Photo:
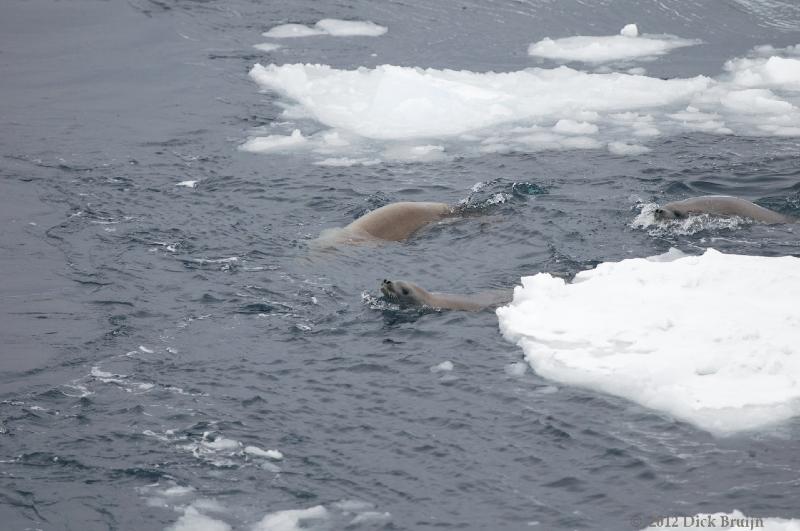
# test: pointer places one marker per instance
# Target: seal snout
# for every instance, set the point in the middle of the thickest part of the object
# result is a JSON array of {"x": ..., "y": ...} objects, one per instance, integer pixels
[{"x": 387, "y": 288}]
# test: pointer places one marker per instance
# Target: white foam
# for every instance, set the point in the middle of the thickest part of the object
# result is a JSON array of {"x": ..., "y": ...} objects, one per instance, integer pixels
[
  {"x": 328, "y": 26},
  {"x": 628, "y": 45},
  {"x": 725, "y": 522},
  {"x": 646, "y": 219},
  {"x": 264, "y": 144},
  {"x": 293, "y": 519},
  {"x": 710, "y": 339}
]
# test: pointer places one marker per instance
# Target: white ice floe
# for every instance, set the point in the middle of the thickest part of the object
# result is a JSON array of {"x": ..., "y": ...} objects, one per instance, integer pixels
[
  {"x": 621, "y": 148},
  {"x": 350, "y": 28},
  {"x": 445, "y": 366},
  {"x": 725, "y": 522},
  {"x": 193, "y": 520},
  {"x": 328, "y": 26},
  {"x": 628, "y": 45},
  {"x": 267, "y": 47},
  {"x": 286, "y": 31},
  {"x": 258, "y": 452},
  {"x": 265, "y": 144},
  {"x": 711, "y": 339},
  {"x": 413, "y": 114},
  {"x": 293, "y": 519}
]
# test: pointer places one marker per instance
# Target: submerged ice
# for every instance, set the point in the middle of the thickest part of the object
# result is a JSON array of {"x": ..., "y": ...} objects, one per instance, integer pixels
[
  {"x": 379, "y": 112},
  {"x": 711, "y": 339}
]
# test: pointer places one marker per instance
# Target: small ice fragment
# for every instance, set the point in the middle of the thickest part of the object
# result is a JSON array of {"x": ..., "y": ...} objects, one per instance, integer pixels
[
  {"x": 258, "y": 452},
  {"x": 444, "y": 366},
  {"x": 630, "y": 30}
]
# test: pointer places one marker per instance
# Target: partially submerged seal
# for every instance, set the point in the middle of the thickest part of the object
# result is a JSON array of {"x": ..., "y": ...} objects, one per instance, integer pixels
[
  {"x": 409, "y": 294},
  {"x": 392, "y": 222},
  {"x": 721, "y": 205}
]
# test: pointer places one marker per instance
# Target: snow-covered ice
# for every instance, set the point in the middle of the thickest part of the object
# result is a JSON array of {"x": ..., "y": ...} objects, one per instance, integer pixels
[
  {"x": 421, "y": 115},
  {"x": 628, "y": 45},
  {"x": 713, "y": 340}
]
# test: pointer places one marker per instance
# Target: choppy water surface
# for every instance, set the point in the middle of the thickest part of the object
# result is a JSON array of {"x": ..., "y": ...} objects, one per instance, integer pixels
[{"x": 159, "y": 339}]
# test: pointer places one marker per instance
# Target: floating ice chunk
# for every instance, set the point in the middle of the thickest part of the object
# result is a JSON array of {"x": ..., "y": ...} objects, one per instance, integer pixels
[
  {"x": 263, "y": 144},
  {"x": 286, "y": 31},
  {"x": 445, "y": 366},
  {"x": 194, "y": 520},
  {"x": 756, "y": 101},
  {"x": 708, "y": 339},
  {"x": 629, "y": 30},
  {"x": 571, "y": 127},
  {"x": 222, "y": 444},
  {"x": 258, "y": 452},
  {"x": 350, "y": 28},
  {"x": 328, "y": 26},
  {"x": 621, "y": 148},
  {"x": 393, "y": 102},
  {"x": 774, "y": 71},
  {"x": 291, "y": 520},
  {"x": 627, "y": 45},
  {"x": 426, "y": 153},
  {"x": 727, "y": 522},
  {"x": 267, "y": 47}
]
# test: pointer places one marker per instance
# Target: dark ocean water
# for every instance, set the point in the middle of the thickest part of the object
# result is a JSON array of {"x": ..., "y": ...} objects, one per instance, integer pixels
[{"x": 152, "y": 331}]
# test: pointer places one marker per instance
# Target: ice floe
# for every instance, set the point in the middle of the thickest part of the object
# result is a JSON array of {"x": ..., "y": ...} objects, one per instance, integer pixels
[
  {"x": 711, "y": 339},
  {"x": 411, "y": 114},
  {"x": 328, "y": 26},
  {"x": 292, "y": 519},
  {"x": 267, "y": 46},
  {"x": 628, "y": 45}
]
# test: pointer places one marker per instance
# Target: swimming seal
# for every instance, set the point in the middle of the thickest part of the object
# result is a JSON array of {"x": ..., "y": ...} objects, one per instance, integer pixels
[
  {"x": 409, "y": 294},
  {"x": 392, "y": 222},
  {"x": 721, "y": 205}
]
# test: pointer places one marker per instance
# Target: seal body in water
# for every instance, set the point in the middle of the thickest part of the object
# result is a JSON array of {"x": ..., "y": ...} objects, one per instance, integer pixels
[
  {"x": 721, "y": 205},
  {"x": 409, "y": 294},
  {"x": 392, "y": 222}
]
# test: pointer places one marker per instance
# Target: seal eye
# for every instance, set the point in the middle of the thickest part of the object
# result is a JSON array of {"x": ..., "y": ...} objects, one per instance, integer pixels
[{"x": 405, "y": 291}]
